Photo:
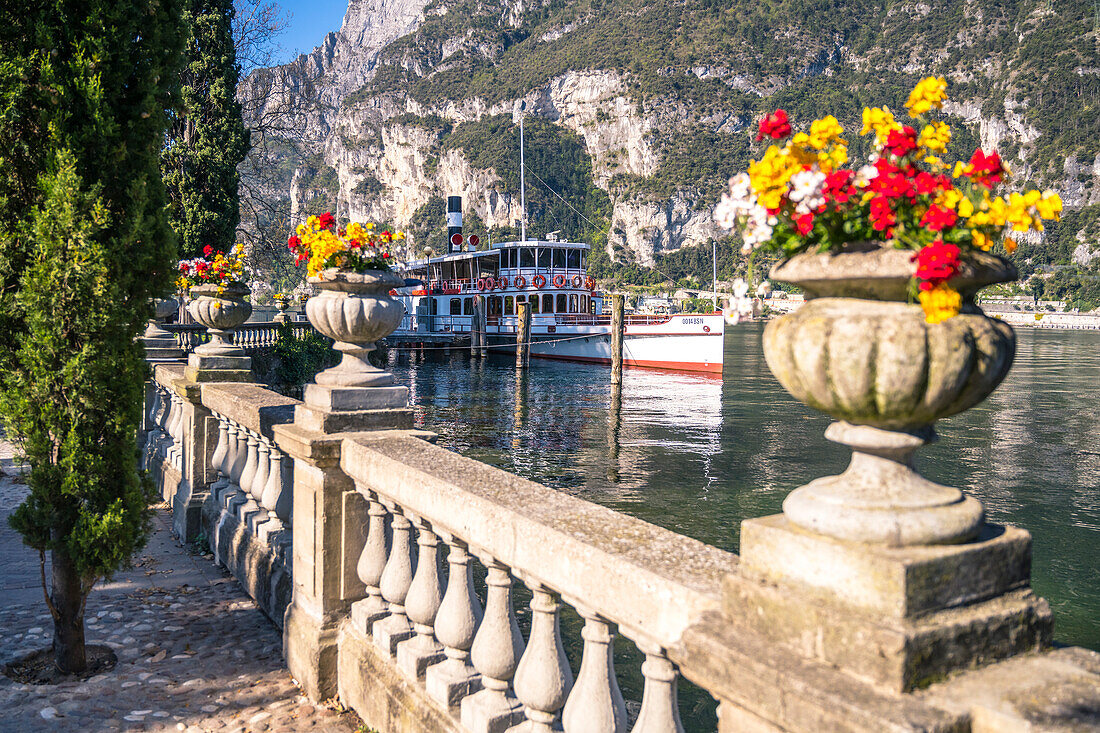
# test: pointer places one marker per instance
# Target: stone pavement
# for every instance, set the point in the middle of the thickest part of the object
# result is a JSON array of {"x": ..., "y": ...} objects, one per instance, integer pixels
[{"x": 195, "y": 653}]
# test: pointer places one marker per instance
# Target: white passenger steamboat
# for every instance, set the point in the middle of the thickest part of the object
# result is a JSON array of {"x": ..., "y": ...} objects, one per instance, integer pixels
[{"x": 569, "y": 320}]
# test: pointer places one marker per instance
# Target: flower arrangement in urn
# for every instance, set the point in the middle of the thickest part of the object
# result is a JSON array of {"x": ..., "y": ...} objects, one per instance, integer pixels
[
  {"x": 218, "y": 296},
  {"x": 351, "y": 266},
  {"x": 866, "y": 244},
  {"x": 355, "y": 247},
  {"x": 801, "y": 196}
]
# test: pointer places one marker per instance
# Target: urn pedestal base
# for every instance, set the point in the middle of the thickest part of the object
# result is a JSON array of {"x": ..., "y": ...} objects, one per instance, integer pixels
[
  {"x": 897, "y": 617},
  {"x": 328, "y": 409},
  {"x": 218, "y": 368}
]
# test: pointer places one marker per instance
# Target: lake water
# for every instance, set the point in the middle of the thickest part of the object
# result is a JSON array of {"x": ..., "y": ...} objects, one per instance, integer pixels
[{"x": 697, "y": 455}]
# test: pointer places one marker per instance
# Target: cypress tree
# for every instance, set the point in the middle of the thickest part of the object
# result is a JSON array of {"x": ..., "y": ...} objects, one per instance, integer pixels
[
  {"x": 84, "y": 247},
  {"x": 208, "y": 139}
]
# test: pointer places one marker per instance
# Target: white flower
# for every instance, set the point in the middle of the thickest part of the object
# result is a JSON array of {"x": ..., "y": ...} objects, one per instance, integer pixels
[
  {"x": 865, "y": 175},
  {"x": 808, "y": 191},
  {"x": 737, "y": 203}
]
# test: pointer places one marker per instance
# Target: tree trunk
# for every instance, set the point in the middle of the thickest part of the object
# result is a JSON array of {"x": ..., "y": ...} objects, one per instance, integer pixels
[{"x": 68, "y": 626}]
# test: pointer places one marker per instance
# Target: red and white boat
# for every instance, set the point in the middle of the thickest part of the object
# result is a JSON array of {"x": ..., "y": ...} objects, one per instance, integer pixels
[{"x": 569, "y": 320}]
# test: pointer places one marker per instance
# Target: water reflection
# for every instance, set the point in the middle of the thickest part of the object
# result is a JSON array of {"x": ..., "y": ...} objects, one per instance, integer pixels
[{"x": 698, "y": 455}]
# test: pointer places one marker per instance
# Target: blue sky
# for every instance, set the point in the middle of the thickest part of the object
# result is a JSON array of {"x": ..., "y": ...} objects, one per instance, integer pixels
[{"x": 310, "y": 20}]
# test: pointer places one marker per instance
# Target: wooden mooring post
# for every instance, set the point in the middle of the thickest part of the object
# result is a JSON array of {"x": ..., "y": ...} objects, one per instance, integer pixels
[
  {"x": 618, "y": 324},
  {"x": 523, "y": 335}
]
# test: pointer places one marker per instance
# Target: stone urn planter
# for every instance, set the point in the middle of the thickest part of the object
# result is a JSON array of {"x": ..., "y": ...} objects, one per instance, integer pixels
[
  {"x": 162, "y": 308},
  {"x": 858, "y": 351},
  {"x": 220, "y": 313},
  {"x": 355, "y": 309}
]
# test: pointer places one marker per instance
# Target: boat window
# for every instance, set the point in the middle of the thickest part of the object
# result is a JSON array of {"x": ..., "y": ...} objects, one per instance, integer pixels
[
  {"x": 494, "y": 306},
  {"x": 468, "y": 307},
  {"x": 548, "y": 303},
  {"x": 436, "y": 271},
  {"x": 456, "y": 306},
  {"x": 574, "y": 259},
  {"x": 573, "y": 303},
  {"x": 462, "y": 269},
  {"x": 559, "y": 258},
  {"x": 488, "y": 266},
  {"x": 509, "y": 307},
  {"x": 584, "y": 304},
  {"x": 433, "y": 306},
  {"x": 527, "y": 257},
  {"x": 544, "y": 258},
  {"x": 561, "y": 303},
  {"x": 447, "y": 269},
  {"x": 534, "y": 303}
]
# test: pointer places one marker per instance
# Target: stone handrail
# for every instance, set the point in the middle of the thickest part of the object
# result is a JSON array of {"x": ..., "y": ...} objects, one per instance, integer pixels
[{"x": 613, "y": 569}]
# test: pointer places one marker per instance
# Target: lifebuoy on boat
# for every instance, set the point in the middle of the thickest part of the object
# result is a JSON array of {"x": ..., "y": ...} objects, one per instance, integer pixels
[
  {"x": 481, "y": 284},
  {"x": 520, "y": 281},
  {"x": 559, "y": 281},
  {"x": 578, "y": 281},
  {"x": 538, "y": 281},
  {"x": 502, "y": 282},
  {"x": 590, "y": 282}
]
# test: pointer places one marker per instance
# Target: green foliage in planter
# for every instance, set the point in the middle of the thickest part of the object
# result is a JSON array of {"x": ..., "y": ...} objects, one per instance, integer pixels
[
  {"x": 207, "y": 139},
  {"x": 85, "y": 246}
]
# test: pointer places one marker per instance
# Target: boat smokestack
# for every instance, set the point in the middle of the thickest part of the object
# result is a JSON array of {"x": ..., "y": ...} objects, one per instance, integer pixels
[{"x": 454, "y": 223}]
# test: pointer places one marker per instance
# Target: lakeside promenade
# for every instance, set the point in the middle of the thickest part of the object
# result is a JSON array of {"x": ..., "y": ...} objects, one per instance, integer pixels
[{"x": 194, "y": 652}]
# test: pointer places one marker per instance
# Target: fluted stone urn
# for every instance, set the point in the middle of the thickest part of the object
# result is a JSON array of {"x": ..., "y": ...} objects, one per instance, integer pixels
[
  {"x": 858, "y": 351},
  {"x": 355, "y": 309},
  {"x": 220, "y": 313}
]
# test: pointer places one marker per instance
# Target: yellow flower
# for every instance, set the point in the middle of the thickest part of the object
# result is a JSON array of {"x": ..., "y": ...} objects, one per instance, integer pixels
[
  {"x": 881, "y": 121},
  {"x": 824, "y": 132},
  {"x": 929, "y": 92},
  {"x": 940, "y": 303},
  {"x": 1010, "y": 245},
  {"x": 935, "y": 137},
  {"x": 980, "y": 240},
  {"x": 769, "y": 176}
]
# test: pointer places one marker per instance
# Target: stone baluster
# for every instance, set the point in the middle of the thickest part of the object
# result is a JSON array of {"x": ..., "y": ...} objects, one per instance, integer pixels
[
  {"x": 660, "y": 707},
  {"x": 156, "y": 430},
  {"x": 174, "y": 454},
  {"x": 495, "y": 654},
  {"x": 259, "y": 480},
  {"x": 422, "y": 604},
  {"x": 372, "y": 563},
  {"x": 170, "y": 412},
  {"x": 543, "y": 677},
  {"x": 233, "y": 456},
  {"x": 395, "y": 582},
  {"x": 219, "y": 461},
  {"x": 277, "y": 494},
  {"x": 456, "y": 624},
  {"x": 248, "y": 473},
  {"x": 595, "y": 704}
]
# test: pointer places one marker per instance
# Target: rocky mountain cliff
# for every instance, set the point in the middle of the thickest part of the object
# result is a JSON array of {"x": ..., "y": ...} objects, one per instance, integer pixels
[{"x": 637, "y": 113}]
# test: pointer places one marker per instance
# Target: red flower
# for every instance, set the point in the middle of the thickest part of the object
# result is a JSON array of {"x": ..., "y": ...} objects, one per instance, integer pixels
[
  {"x": 838, "y": 185},
  {"x": 184, "y": 268},
  {"x": 985, "y": 170},
  {"x": 804, "y": 223},
  {"x": 936, "y": 263},
  {"x": 207, "y": 251},
  {"x": 385, "y": 255},
  {"x": 774, "y": 126},
  {"x": 882, "y": 216},
  {"x": 901, "y": 142},
  {"x": 927, "y": 183},
  {"x": 937, "y": 218},
  {"x": 327, "y": 220},
  {"x": 893, "y": 182}
]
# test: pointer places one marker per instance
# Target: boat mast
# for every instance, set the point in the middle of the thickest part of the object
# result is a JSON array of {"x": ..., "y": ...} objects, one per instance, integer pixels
[
  {"x": 714, "y": 280},
  {"x": 522, "y": 181}
]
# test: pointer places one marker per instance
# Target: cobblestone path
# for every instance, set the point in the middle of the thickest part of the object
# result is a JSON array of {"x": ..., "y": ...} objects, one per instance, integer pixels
[{"x": 195, "y": 653}]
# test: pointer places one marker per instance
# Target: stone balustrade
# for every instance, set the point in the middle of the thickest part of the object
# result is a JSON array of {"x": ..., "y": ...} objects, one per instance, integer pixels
[
  {"x": 428, "y": 590},
  {"x": 249, "y": 336}
]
